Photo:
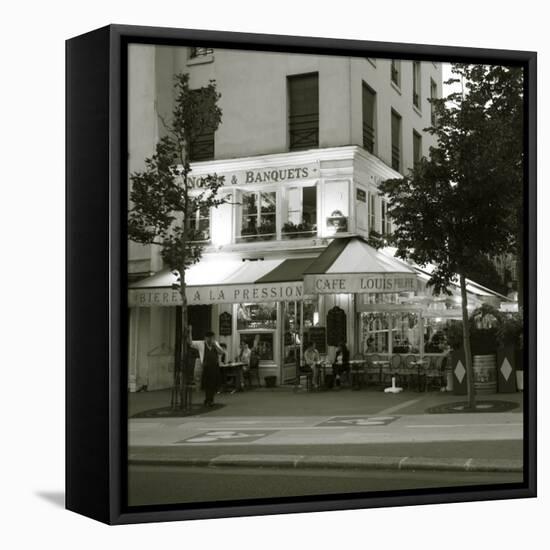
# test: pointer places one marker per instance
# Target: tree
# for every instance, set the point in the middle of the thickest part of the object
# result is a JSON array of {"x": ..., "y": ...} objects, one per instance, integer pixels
[
  {"x": 459, "y": 204},
  {"x": 165, "y": 199}
]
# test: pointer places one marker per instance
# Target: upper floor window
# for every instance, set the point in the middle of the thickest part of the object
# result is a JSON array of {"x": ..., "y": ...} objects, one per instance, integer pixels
[
  {"x": 386, "y": 224},
  {"x": 258, "y": 216},
  {"x": 369, "y": 99},
  {"x": 395, "y": 141},
  {"x": 301, "y": 213},
  {"x": 417, "y": 147},
  {"x": 372, "y": 211},
  {"x": 433, "y": 95},
  {"x": 202, "y": 147},
  {"x": 200, "y": 225},
  {"x": 303, "y": 112},
  {"x": 416, "y": 84},
  {"x": 200, "y": 52},
  {"x": 396, "y": 72}
]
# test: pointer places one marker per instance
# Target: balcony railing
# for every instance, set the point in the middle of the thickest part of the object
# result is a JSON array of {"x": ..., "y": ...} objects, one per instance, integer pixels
[
  {"x": 368, "y": 137},
  {"x": 304, "y": 131}
]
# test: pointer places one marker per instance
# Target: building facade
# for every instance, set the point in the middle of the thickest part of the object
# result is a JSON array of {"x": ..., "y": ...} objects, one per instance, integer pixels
[{"x": 303, "y": 144}]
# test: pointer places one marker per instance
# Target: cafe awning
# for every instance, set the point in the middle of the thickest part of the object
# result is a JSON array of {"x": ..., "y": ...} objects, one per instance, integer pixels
[
  {"x": 350, "y": 265},
  {"x": 224, "y": 281}
]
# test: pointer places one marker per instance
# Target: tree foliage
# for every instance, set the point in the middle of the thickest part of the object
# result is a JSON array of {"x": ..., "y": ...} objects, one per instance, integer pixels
[
  {"x": 165, "y": 200},
  {"x": 163, "y": 197},
  {"x": 462, "y": 202}
]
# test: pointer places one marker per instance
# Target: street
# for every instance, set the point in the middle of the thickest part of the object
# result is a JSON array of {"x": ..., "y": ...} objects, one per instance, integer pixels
[{"x": 165, "y": 485}]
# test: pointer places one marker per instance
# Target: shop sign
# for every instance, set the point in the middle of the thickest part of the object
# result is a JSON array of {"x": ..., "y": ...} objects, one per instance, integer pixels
[
  {"x": 263, "y": 175},
  {"x": 361, "y": 195},
  {"x": 228, "y": 294},
  {"x": 357, "y": 283}
]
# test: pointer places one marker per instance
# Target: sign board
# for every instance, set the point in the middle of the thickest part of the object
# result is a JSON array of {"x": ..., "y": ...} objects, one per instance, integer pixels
[
  {"x": 318, "y": 335},
  {"x": 226, "y": 325},
  {"x": 264, "y": 175},
  {"x": 223, "y": 294},
  {"x": 361, "y": 195},
  {"x": 359, "y": 283}
]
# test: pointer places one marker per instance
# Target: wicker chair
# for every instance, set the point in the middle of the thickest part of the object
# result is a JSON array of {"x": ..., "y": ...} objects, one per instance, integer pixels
[{"x": 374, "y": 372}]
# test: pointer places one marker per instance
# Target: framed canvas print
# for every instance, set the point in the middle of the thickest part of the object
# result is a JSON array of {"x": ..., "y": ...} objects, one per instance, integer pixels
[{"x": 300, "y": 274}]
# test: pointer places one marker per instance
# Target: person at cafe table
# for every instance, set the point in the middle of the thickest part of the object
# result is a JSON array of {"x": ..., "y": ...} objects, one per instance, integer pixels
[
  {"x": 341, "y": 362},
  {"x": 312, "y": 359}
]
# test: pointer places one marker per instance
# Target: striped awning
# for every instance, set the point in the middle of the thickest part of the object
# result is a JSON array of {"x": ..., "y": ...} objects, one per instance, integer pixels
[
  {"x": 350, "y": 265},
  {"x": 224, "y": 281}
]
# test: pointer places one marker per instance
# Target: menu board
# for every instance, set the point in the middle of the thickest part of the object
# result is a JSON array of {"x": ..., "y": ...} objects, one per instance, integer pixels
[
  {"x": 225, "y": 324},
  {"x": 336, "y": 326},
  {"x": 318, "y": 335}
]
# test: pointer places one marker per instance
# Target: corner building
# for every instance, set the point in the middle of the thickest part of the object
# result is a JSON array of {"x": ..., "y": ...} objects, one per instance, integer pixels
[{"x": 304, "y": 142}]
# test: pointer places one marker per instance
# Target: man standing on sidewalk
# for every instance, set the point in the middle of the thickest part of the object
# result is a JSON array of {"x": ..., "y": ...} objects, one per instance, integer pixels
[{"x": 211, "y": 375}]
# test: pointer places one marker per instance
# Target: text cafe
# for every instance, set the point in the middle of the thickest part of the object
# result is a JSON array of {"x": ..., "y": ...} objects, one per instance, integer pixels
[{"x": 348, "y": 293}]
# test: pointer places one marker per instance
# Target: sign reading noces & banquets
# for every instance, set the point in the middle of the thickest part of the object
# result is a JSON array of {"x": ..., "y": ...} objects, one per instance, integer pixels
[{"x": 263, "y": 175}]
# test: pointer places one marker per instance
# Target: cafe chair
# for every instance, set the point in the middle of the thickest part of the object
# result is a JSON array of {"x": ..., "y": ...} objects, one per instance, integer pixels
[
  {"x": 305, "y": 378},
  {"x": 357, "y": 372},
  {"x": 253, "y": 371},
  {"x": 435, "y": 373},
  {"x": 412, "y": 372},
  {"x": 374, "y": 372},
  {"x": 398, "y": 368}
]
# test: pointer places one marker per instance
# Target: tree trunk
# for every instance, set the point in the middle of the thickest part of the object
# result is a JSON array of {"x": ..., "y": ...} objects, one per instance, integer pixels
[
  {"x": 467, "y": 345},
  {"x": 184, "y": 394}
]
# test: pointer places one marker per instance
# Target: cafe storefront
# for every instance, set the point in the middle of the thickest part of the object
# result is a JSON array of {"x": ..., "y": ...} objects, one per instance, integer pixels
[{"x": 350, "y": 292}]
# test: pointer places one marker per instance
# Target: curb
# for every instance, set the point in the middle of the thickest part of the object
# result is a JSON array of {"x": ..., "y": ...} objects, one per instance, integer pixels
[{"x": 334, "y": 462}]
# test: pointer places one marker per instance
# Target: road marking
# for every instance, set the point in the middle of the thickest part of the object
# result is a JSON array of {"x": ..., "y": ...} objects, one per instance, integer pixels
[
  {"x": 399, "y": 407},
  {"x": 430, "y": 426}
]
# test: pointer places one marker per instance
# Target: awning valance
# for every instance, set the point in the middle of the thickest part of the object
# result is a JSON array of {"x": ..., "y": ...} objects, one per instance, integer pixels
[
  {"x": 225, "y": 281},
  {"x": 350, "y": 265}
]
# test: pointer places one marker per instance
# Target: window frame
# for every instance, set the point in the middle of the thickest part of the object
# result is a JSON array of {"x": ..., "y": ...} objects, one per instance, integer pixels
[
  {"x": 417, "y": 84},
  {"x": 395, "y": 70},
  {"x": 256, "y": 237},
  {"x": 366, "y": 89},
  {"x": 294, "y": 142},
  {"x": 396, "y": 147}
]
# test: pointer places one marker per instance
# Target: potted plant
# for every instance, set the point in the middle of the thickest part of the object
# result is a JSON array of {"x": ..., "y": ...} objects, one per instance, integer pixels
[
  {"x": 267, "y": 230},
  {"x": 510, "y": 339},
  {"x": 290, "y": 230}
]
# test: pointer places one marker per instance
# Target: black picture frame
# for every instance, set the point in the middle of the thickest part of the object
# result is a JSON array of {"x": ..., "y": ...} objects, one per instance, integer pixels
[{"x": 96, "y": 280}]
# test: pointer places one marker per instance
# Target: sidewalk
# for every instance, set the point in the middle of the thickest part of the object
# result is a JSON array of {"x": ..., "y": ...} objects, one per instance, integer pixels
[{"x": 335, "y": 429}]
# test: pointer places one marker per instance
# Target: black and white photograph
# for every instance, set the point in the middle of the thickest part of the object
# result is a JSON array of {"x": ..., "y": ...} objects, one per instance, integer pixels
[{"x": 325, "y": 271}]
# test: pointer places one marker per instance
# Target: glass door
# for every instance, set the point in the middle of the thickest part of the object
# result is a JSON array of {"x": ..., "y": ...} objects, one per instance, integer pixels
[{"x": 291, "y": 340}]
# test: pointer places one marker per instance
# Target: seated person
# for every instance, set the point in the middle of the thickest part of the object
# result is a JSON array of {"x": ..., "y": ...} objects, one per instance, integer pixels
[
  {"x": 311, "y": 360},
  {"x": 341, "y": 362},
  {"x": 244, "y": 355}
]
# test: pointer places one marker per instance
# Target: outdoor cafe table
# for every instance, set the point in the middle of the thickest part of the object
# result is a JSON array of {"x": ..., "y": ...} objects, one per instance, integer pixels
[{"x": 234, "y": 368}]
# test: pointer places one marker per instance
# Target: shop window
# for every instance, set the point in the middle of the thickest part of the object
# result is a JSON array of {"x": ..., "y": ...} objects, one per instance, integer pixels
[
  {"x": 395, "y": 141},
  {"x": 262, "y": 315},
  {"x": 303, "y": 122},
  {"x": 395, "y": 72},
  {"x": 375, "y": 332},
  {"x": 258, "y": 216},
  {"x": 260, "y": 342},
  {"x": 200, "y": 225},
  {"x": 416, "y": 84},
  {"x": 435, "y": 335},
  {"x": 301, "y": 222},
  {"x": 405, "y": 332},
  {"x": 369, "y": 97},
  {"x": 417, "y": 147}
]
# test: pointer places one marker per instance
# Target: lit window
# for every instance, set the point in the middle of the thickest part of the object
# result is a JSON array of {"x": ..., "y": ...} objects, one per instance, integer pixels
[
  {"x": 258, "y": 219},
  {"x": 200, "y": 225},
  {"x": 301, "y": 219},
  {"x": 372, "y": 211},
  {"x": 386, "y": 224}
]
